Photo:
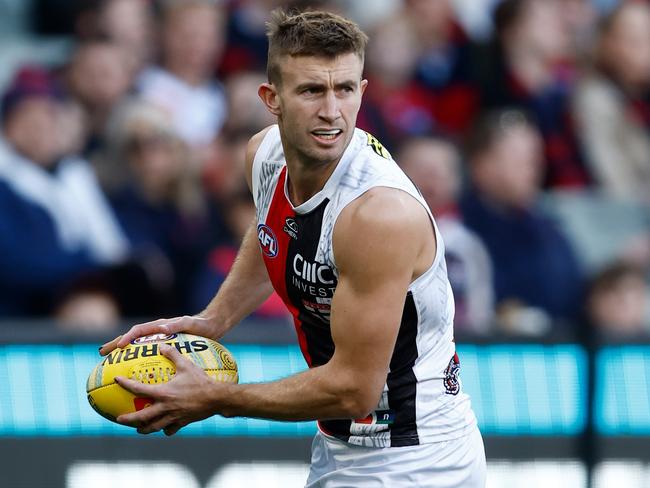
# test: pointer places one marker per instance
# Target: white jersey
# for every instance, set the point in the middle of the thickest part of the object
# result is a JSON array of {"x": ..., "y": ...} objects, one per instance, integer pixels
[{"x": 422, "y": 401}]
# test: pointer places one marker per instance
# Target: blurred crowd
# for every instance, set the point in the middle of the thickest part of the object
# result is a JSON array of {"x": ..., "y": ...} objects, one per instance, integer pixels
[{"x": 121, "y": 179}]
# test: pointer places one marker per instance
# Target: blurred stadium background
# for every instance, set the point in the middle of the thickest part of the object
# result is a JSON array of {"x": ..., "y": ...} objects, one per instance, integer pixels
[{"x": 525, "y": 123}]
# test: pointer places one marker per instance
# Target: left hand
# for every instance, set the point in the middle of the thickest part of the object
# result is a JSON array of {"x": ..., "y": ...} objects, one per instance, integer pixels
[{"x": 184, "y": 399}]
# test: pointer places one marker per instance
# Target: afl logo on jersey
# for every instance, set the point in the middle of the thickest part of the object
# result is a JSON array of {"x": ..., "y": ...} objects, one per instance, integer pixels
[{"x": 268, "y": 242}]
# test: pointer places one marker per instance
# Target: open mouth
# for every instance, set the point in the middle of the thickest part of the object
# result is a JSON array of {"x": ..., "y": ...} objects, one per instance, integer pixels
[{"x": 327, "y": 134}]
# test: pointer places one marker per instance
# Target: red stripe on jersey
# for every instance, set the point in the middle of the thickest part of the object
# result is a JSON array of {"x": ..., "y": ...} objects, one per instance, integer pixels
[{"x": 279, "y": 210}]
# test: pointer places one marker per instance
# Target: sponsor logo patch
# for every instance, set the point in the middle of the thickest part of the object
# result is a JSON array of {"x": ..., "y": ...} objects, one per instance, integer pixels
[
  {"x": 268, "y": 242},
  {"x": 451, "y": 381},
  {"x": 291, "y": 227},
  {"x": 313, "y": 271}
]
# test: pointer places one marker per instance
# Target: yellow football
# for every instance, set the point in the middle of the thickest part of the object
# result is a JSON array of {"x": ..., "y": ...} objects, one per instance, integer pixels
[{"x": 142, "y": 361}]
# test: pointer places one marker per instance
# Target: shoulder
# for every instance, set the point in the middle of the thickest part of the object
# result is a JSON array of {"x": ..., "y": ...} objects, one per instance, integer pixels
[
  {"x": 385, "y": 219},
  {"x": 251, "y": 149},
  {"x": 382, "y": 205}
]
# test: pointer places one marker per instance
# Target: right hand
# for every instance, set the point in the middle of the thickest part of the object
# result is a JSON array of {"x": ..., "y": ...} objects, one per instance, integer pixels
[{"x": 190, "y": 324}]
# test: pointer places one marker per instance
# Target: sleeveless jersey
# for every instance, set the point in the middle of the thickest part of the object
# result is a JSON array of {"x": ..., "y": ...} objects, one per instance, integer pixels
[{"x": 422, "y": 401}]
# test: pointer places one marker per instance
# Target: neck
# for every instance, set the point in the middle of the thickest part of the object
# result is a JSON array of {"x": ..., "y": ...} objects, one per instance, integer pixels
[
  {"x": 305, "y": 176},
  {"x": 304, "y": 181}
]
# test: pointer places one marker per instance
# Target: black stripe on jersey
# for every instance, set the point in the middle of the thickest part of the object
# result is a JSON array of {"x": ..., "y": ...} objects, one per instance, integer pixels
[
  {"x": 316, "y": 329},
  {"x": 401, "y": 380}
]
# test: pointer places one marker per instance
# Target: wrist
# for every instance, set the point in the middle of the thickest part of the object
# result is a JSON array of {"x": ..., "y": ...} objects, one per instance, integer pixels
[
  {"x": 223, "y": 399},
  {"x": 212, "y": 325}
]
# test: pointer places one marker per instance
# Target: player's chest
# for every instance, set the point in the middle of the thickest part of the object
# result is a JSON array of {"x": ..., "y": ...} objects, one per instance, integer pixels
[{"x": 295, "y": 249}]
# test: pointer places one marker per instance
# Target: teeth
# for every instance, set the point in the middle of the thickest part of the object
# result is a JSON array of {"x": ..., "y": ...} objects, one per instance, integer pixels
[{"x": 331, "y": 132}]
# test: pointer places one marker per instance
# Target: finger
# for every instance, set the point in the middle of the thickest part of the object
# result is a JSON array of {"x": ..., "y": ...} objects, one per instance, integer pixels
[
  {"x": 143, "y": 417},
  {"x": 109, "y": 346},
  {"x": 136, "y": 387},
  {"x": 156, "y": 327},
  {"x": 160, "y": 326},
  {"x": 156, "y": 425},
  {"x": 146, "y": 430},
  {"x": 171, "y": 353}
]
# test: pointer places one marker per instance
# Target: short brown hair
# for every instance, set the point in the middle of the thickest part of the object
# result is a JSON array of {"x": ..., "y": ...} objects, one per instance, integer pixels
[{"x": 311, "y": 33}]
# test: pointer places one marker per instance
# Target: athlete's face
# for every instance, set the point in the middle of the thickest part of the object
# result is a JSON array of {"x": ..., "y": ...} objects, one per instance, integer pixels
[{"x": 316, "y": 103}]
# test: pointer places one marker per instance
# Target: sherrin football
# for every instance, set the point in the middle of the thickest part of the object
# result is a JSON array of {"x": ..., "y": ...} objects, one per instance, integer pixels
[{"x": 142, "y": 361}]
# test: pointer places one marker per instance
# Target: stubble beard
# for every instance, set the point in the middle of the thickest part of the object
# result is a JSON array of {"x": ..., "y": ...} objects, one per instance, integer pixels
[{"x": 311, "y": 157}]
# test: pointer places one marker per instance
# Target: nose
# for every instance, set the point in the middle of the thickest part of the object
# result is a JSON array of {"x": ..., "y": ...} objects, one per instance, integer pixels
[{"x": 329, "y": 109}]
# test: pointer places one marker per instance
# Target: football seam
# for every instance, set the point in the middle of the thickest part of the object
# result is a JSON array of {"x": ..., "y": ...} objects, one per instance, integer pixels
[{"x": 115, "y": 382}]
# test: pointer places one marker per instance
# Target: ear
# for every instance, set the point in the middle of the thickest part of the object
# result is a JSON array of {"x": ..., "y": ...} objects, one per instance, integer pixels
[
  {"x": 364, "y": 85},
  {"x": 268, "y": 93}
]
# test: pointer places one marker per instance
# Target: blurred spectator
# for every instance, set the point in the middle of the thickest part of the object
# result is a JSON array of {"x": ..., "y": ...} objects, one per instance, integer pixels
[
  {"x": 223, "y": 171},
  {"x": 127, "y": 23},
  {"x": 99, "y": 300},
  {"x": 476, "y": 17},
  {"x": 579, "y": 19},
  {"x": 612, "y": 104},
  {"x": 444, "y": 62},
  {"x": 418, "y": 68},
  {"x": 72, "y": 127},
  {"x": 534, "y": 264},
  {"x": 55, "y": 223},
  {"x": 246, "y": 45},
  {"x": 434, "y": 166},
  {"x": 246, "y": 111},
  {"x": 529, "y": 65},
  {"x": 98, "y": 77},
  {"x": 158, "y": 196},
  {"x": 396, "y": 105},
  {"x": 192, "y": 40},
  {"x": 89, "y": 304},
  {"x": 368, "y": 17},
  {"x": 239, "y": 213},
  {"x": 618, "y": 303},
  {"x": 226, "y": 183},
  {"x": 223, "y": 175}
]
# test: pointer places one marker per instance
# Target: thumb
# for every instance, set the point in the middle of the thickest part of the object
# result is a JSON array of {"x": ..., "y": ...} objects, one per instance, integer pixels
[{"x": 175, "y": 357}]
